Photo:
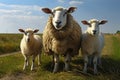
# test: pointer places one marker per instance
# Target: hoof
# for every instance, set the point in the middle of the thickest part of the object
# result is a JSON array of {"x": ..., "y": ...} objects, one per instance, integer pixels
[
  {"x": 55, "y": 71},
  {"x": 67, "y": 69},
  {"x": 84, "y": 71},
  {"x": 95, "y": 72}
]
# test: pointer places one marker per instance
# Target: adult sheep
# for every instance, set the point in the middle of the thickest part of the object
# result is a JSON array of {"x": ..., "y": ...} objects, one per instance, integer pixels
[
  {"x": 31, "y": 45},
  {"x": 61, "y": 36},
  {"x": 92, "y": 43}
]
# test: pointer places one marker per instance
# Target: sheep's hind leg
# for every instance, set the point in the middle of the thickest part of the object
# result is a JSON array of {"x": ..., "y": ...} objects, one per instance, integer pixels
[
  {"x": 56, "y": 65},
  {"x": 67, "y": 62}
]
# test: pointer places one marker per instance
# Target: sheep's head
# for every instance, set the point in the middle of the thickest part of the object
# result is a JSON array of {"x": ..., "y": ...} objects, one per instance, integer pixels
[
  {"x": 93, "y": 26},
  {"x": 28, "y": 33},
  {"x": 59, "y": 15}
]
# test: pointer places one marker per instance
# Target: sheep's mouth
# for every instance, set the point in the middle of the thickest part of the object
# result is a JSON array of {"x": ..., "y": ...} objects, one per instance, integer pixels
[
  {"x": 58, "y": 27},
  {"x": 94, "y": 33}
]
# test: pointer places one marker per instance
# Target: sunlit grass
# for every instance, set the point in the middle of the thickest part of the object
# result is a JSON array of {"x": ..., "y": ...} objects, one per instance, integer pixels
[
  {"x": 9, "y": 43},
  {"x": 12, "y": 66},
  {"x": 116, "y": 48}
]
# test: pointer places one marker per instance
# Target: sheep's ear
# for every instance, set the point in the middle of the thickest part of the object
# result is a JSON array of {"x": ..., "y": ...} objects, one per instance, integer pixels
[
  {"x": 103, "y": 22},
  {"x": 21, "y": 30},
  {"x": 71, "y": 9},
  {"x": 85, "y": 22},
  {"x": 47, "y": 10},
  {"x": 36, "y": 30}
]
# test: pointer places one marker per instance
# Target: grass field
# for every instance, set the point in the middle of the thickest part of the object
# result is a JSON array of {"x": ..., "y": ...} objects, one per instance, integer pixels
[
  {"x": 11, "y": 66},
  {"x": 9, "y": 43}
]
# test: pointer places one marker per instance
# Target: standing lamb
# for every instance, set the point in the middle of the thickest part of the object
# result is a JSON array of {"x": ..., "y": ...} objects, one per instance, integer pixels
[
  {"x": 92, "y": 43},
  {"x": 61, "y": 36},
  {"x": 31, "y": 45}
]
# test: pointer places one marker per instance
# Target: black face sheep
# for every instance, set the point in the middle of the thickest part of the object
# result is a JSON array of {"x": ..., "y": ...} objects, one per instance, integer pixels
[
  {"x": 92, "y": 43},
  {"x": 31, "y": 45},
  {"x": 62, "y": 35}
]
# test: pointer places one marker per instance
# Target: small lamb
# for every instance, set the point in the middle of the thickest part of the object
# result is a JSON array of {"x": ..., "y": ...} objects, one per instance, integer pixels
[
  {"x": 92, "y": 43},
  {"x": 31, "y": 45}
]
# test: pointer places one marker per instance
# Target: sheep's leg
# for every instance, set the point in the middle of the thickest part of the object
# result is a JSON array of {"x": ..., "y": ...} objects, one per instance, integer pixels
[
  {"x": 67, "y": 62},
  {"x": 39, "y": 59},
  {"x": 99, "y": 61},
  {"x": 33, "y": 60},
  {"x": 90, "y": 60},
  {"x": 56, "y": 60},
  {"x": 95, "y": 63},
  {"x": 85, "y": 64},
  {"x": 52, "y": 61},
  {"x": 25, "y": 62}
]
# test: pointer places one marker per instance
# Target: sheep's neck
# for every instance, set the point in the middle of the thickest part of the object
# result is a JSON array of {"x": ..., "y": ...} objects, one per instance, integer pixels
[{"x": 30, "y": 44}]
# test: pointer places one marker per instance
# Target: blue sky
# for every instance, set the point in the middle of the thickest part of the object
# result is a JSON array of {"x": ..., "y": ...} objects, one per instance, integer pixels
[{"x": 15, "y": 14}]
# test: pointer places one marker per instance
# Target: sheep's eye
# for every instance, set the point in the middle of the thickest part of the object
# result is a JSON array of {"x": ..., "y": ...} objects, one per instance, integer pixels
[
  {"x": 64, "y": 13},
  {"x": 53, "y": 15},
  {"x": 90, "y": 25},
  {"x": 26, "y": 33}
]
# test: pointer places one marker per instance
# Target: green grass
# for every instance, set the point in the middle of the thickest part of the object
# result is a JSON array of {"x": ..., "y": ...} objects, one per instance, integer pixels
[
  {"x": 116, "y": 47},
  {"x": 11, "y": 66},
  {"x": 9, "y": 43}
]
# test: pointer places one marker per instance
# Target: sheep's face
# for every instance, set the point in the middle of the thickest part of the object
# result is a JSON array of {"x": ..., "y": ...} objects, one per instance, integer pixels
[
  {"x": 59, "y": 18},
  {"x": 59, "y": 15},
  {"x": 28, "y": 34},
  {"x": 93, "y": 26}
]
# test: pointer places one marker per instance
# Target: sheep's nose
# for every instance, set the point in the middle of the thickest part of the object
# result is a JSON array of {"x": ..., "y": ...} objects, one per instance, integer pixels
[
  {"x": 94, "y": 31},
  {"x": 58, "y": 22},
  {"x": 28, "y": 39}
]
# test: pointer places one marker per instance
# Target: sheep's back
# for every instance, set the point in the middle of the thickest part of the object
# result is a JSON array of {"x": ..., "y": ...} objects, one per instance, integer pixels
[{"x": 91, "y": 44}]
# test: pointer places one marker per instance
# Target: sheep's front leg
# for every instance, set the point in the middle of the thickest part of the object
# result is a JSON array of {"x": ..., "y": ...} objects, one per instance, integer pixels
[
  {"x": 67, "y": 62},
  {"x": 56, "y": 65},
  {"x": 39, "y": 59},
  {"x": 95, "y": 64},
  {"x": 85, "y": 63},
  {"x": 25, "y": 62},
  {"x": 99, "y": 61},
  {"x": 33, "y": 60}
]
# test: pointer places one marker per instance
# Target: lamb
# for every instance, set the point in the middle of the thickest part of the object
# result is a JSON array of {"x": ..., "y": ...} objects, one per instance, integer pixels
[
  {"x": 92, "y": 43},
  {"x": 61, "y": 36},
  {"x": 31, "y": 45}
]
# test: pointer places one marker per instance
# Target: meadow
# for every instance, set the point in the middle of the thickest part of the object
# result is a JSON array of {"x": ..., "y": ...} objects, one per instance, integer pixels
[{"x": 11, "y": 66}]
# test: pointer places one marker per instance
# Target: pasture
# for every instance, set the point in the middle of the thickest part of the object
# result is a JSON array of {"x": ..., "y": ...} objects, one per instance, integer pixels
[{"x": 11, "y": 65}]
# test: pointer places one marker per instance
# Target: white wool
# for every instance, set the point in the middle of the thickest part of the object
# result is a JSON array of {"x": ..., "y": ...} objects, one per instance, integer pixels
[
  {"x": 92, "y": 43},
  {"x": 31, "y": 48}
]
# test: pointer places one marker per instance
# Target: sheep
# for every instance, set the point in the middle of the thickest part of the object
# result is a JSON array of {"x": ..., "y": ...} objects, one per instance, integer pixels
[
  {"x": 31, "y": 45},
  {"x": 61, "y": 35},
  {"x": 92, "y": 43}
]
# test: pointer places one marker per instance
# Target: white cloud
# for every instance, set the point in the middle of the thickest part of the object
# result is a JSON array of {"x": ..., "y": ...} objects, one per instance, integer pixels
[
  {"x": 18, "y": 9},
  {"x": 75, "y": 3},
  {"x": 13, "y": 17}
]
